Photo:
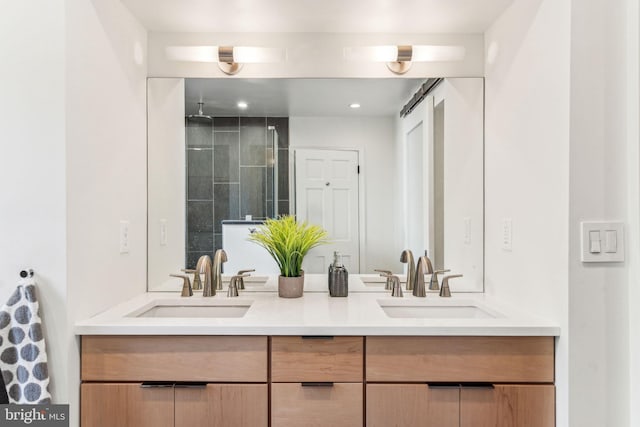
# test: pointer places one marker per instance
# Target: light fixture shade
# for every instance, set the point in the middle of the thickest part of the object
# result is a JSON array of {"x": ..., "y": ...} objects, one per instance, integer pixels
[
  {"x": 430, "y": 53},
  {"x": 421, "y": 53},
  {"x": 192, "y": 53},
  {"x": 249, "y": 55},
  {"x": 241, "y": 54}
]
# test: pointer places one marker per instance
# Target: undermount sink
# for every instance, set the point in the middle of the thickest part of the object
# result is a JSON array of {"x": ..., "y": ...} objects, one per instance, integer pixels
[
  {"x": 209, "y": 310},
  {"x": 465, "y": 310}
]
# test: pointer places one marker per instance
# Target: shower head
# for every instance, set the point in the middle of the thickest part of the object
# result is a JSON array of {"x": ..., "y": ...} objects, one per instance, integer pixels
[{"x": 200, "y": 114}]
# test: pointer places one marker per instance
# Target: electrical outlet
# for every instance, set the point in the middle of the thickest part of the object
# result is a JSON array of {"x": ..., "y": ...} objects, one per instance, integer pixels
[
  {"x": 507, "y": 234},
  {"x": 163, "y": 232},
  {"x": 124, "y": 237}
]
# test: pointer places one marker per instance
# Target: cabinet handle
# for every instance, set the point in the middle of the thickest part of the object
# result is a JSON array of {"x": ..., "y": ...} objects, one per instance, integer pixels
[
  {"x": 157, "y": 384},
  {"x": 443, "y": 385},
  {"x": 478, "y": 385},
  {"x": 317, "y": 337},
  {"x": 317, "y": 384},
  {"x": 191, "y": 385}
]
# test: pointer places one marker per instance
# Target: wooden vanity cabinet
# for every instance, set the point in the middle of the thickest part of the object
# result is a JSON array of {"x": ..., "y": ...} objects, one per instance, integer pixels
[
  {"x": 282, "y": 381},
  {"x": 317, "y": 381},
  {"x": 460, "y": 381},
  {"x": 166, "y": 381}
]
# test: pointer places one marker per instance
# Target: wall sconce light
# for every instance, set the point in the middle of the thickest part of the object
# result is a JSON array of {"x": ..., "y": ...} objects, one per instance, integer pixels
[
  {"x": 399, "y": 58},
  {"x": 230, "y": 59}
]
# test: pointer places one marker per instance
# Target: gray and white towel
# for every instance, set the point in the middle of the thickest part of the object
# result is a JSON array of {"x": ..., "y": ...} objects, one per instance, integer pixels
[{"x": 23, "y": 359}]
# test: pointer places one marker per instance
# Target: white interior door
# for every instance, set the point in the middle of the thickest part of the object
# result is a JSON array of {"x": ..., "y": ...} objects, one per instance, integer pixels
[
  {"x": 326, "y": 183},
  {"x": 417, "y": 129}
]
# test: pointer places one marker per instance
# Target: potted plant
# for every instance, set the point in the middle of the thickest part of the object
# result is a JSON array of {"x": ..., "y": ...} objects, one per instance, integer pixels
[{"x": 288, "y": 241}]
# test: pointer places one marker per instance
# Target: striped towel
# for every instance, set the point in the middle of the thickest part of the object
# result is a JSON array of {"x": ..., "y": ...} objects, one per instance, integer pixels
[{"x": 23, "y": 359}]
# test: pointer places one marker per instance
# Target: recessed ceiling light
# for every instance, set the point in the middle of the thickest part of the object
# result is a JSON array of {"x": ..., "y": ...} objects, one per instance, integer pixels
[
  {"x": 354, "y": 105},
  {"x": 242, "y": 105}
]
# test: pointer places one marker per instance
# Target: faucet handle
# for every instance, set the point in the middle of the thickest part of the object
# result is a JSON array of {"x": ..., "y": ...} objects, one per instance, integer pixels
[
  {"x": 232, "y": 290},
  {"x": 197, "y": 283},
  {"x": 187, "y": 291},
  {"x": 242, "y": 273},
  {"x": 433, "y": 283},
  {"x": 387, "y": 274},
  {"x": 396, "y": 290},
  {"x": 445, "y": 291}
]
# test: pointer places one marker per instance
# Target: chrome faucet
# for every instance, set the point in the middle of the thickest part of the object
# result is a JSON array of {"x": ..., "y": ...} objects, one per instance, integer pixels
[
  {"x": 424, "y": 267},
  {"x": 433, "y": 283},
  {"x": 204, "y": 266},
  {"x": 218, "y": 258},
  {"x": 445, "y": 291},
  {"x": 406, "y": 257}
]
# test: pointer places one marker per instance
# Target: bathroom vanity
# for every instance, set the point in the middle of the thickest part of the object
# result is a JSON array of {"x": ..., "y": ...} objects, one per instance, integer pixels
[{"x": 367, "y": 359}]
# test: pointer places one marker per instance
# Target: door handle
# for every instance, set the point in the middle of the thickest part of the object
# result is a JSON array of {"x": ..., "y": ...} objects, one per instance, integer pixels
[
  {"x": 317, "y": 384},
  {"x": 317, "y": 337},
  {"x": 191, "y": 385},
  {"x": 157, "y": 384}
]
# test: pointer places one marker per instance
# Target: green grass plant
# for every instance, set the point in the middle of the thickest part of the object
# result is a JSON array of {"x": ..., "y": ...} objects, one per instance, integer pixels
[{"x": 288, "y": 241}]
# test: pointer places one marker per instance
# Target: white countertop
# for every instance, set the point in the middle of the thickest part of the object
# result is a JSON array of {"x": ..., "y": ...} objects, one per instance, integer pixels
[{"x": 316, "y": 313}]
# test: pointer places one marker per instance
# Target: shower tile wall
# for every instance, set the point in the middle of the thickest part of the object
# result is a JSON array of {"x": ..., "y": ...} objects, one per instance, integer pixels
[{"x": 230, "y": 175}]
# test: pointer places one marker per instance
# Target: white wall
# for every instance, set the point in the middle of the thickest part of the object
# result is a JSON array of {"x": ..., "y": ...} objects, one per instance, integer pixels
[
  {"x": 106, "y": 156},
  {"x": 313, "y": 54},
  {"x": 633, "y": 207},
  {"x": 526, "y": 165},
  {"x": 32, "y": 166},
  {"x": 604, "y": 185},
  {"x": 166, "y": 178},
  {"x": 375, "y": 136}
]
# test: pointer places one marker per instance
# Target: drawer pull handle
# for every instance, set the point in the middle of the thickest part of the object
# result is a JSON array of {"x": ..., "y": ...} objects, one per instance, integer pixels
[
  {"x": 157, "y": 384},
  {"x": 317, "y": 337},
  {"x": 191, "y": 385},
  {"x": 317, "y": 384},
  {"x": 443, "y": 385},
  {"x": 478, "y": 385}
]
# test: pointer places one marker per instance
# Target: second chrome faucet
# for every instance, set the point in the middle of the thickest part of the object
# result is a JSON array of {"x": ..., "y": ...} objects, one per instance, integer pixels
[{"x": 212, "y": 271}]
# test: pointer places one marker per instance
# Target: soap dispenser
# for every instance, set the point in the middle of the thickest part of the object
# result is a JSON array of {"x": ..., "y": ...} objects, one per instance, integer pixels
[{"x": 338, "y": 278}]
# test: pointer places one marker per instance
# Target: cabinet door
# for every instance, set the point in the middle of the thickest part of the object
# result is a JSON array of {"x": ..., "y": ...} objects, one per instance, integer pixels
[
  {"x": 508, "y": 406},
  {"x": 214, "y": 405},
  {"x": 297, "y": 404},
  {"x": 126, "y": 405},
  {"x": 412, "y": 405}
]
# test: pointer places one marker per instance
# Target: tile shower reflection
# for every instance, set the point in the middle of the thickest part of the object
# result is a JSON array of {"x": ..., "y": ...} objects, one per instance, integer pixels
[{"x": 236, "y": 166}]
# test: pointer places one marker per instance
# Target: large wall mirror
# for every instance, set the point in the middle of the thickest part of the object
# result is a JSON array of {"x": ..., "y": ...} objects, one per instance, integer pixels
[{"x": 225, "y": 154}]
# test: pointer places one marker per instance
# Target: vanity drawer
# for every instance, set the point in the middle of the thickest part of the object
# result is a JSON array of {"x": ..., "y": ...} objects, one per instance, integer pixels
[
  {"x": 460, "y": 359},
  {"x": 336, "y": 405},
  {"x": 176, "y": 358},
  {"x": 296, "y": 359}
]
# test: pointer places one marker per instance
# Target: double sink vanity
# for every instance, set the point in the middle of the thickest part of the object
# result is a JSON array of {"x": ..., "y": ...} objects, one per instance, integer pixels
[{"x": 367, "y": 359}]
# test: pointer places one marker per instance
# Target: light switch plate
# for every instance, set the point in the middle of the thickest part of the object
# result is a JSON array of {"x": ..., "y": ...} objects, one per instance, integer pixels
[{"x": 611, "y": 244}]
